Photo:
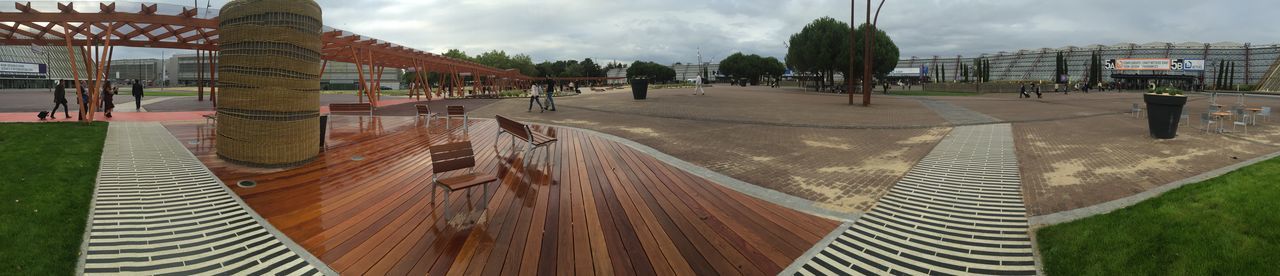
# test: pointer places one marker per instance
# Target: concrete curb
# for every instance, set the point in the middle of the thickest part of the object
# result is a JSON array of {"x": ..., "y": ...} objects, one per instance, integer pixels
[
  {"x": 1110, "y": 206},
  {"x": 817, "y": 248}
]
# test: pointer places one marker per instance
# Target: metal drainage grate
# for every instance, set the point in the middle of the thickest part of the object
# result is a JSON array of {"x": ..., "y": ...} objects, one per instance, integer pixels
[
  {"x": 357, "y": 157},
  {"x": 247, "y": 183}
]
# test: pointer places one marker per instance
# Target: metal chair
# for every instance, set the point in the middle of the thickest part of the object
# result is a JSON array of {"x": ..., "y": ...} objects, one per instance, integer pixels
[
  {"x": 1207, "y": 120},
  {"x": 1265, "y": 114},
  {"x": 1241, "y": 119},
  {"x": 1136, "y": 110}
]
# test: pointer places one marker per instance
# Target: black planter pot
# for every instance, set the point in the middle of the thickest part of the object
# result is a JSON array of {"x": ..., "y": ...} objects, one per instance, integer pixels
[
  {"x": 1163, "y": 114},
  {"x": 640, "y": 89}
]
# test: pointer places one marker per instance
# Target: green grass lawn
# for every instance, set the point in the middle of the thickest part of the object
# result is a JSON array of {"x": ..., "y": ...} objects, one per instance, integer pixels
[
  {"x": 927, "y": 93},
  {"x": 47, "y": 172},
  {"x": 1229, "y": 225}
]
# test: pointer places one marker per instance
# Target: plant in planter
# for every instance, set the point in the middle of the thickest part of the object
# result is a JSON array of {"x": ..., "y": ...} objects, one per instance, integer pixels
[{"x": 1164, "y": 111}]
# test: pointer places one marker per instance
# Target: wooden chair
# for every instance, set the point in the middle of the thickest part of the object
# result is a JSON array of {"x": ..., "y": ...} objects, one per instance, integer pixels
[
  {"x": 455, "y": 111},
  {"x": 532, "y": 140},
  {"x": 453, "y": 157},
  {"x": 351, "y": 109}
]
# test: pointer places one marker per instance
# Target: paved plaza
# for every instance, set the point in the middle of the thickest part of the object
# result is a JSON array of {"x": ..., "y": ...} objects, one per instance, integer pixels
[
  {"x": 1074, "y": 151},
  {"x": 924, "y": 184}
]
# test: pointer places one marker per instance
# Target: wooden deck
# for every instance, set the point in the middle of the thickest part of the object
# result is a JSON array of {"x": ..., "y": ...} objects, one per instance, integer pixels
[{"x": 598, "y": 207}]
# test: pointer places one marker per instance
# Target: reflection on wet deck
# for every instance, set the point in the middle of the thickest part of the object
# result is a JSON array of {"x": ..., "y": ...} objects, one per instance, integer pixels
[{"x": 591, "y": 206}]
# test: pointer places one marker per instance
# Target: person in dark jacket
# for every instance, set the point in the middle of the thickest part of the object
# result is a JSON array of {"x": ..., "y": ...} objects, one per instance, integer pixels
[
  {"x": 137, "y": 94},
  {"x": 60, "y": 99},
  {"x": 1022, "y": 92},
  {"x": 551, "y": 90},
  {"x": 108, "y": 99},
  {"x": 84, "y": 100}
]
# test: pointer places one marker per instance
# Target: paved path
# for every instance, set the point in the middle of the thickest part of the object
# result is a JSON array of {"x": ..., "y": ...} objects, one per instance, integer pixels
[
  {"x": 959, "y": 211},
  {"x": 126, "y": 109},
  {"x": 956, "y": 114},
  {"x": 158, "y": 210}
]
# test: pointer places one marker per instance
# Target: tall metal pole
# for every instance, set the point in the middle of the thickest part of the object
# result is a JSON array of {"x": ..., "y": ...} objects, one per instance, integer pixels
[
  {"x": 848, "y": 78},
  {"x": 866, "y": 59}
]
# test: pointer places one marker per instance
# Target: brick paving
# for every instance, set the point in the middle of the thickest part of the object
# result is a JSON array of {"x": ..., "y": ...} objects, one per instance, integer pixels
[
  {"x": 843, "y": 170},
  {"x": 1070, "y": 164}
]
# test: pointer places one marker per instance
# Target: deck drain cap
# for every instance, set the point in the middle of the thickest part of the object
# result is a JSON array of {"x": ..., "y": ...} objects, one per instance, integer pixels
[
  {"x": 247, "y": 184},
  {"x": 357, "y": 157}
]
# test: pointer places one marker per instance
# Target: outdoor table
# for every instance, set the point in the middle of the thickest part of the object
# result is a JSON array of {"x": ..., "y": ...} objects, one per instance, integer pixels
[
  {"x": 1221, "y": 115},
  {"x": 1253, "y": 120}
]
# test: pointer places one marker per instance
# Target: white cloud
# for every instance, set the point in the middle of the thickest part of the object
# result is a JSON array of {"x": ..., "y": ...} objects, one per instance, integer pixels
[{"x": 669, "y": 31}]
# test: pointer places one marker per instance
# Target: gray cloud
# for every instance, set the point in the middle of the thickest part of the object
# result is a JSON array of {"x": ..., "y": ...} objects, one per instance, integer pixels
[{"x": 670, "y": 31}]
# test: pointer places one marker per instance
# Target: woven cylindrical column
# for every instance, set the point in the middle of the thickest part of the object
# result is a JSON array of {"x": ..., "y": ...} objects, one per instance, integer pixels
[{"x": 269, "y": 75}]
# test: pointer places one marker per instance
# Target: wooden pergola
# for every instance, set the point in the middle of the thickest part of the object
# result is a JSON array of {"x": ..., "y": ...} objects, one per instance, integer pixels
[{"x": 97, "y": 31}]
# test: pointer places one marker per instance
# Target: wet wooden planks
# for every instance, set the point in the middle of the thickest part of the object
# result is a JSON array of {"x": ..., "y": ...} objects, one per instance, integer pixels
[{"x": 586, "y": 205}]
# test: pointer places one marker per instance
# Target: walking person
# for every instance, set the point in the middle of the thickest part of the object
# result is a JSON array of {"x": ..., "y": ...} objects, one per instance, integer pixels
[
  {"x": 83, "y": 101},
  {"x": 1037, "y": 89},
  {"x": 60, "y": 98},
  {"x": 1022, "y": 92},
  {"x": 534, "y": 91},
  {"x": 108, "y": 99},
  {"x": 137, "y": 95},
  {"x": 551, "y": 103},
  {"x": 697, "y": 89}
]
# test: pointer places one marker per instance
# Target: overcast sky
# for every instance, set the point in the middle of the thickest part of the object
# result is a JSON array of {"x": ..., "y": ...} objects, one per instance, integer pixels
[{"x": 669, "y": 31}]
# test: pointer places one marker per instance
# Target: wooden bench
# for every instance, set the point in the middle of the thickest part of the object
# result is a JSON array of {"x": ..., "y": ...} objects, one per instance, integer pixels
[
  {"x": 455, "y": 111},
  {"x": 531, "y": 139},
  {"x": 424, "y": 110},
  {"x": 351, "y": 109},
  {"x": 453, "y": 157}
]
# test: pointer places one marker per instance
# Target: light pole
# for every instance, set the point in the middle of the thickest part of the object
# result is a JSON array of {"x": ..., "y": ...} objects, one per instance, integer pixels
[{"x": 867, "y": 57}]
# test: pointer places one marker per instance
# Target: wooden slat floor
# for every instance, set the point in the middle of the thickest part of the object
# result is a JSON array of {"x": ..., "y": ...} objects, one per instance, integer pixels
[{"x": 597, "y": 207}]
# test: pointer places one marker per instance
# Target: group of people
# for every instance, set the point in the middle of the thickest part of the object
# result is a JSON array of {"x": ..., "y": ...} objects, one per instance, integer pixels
[
  {"x": 107, "y": 100},
  {"x": 536, "y": 91},
  {"x": 1022, "y": 91}
]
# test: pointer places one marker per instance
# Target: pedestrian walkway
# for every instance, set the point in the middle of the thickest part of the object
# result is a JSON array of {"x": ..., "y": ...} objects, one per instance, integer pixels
[
  {"x": 959, "y": 211},
  {"x": 158, "y": 210},
  {"x": 956, "y": 114},
  {"x": 124, "y": 107}
]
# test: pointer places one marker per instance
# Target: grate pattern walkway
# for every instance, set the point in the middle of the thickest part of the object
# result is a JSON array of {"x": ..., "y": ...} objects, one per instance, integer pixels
[
  {"x": 158, "y": 210},
  {"x": 958, "y": 212}
]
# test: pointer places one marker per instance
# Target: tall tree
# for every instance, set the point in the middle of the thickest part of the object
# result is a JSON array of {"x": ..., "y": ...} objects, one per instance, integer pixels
[
  {"x": 591, "y": 69},
  {"x": 822, "y": 48},
  {"x": 1232, "y": 78},
  {"x": 458, "y": 54},
  {"x": 652, "y": 71}
]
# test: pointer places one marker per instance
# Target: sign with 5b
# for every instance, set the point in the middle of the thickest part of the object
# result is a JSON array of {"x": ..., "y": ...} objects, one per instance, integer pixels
[{"x": 1187, "y": 65}]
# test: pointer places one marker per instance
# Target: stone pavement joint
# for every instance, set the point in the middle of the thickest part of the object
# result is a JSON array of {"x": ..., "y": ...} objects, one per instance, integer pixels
[
  {"x": 959, "y": 211},
  {"x": 157, "y": 210}
]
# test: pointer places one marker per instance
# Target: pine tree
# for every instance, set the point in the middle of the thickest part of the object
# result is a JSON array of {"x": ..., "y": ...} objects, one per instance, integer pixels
[
  {"x": 1232, "y": 78},
  {"x": 1065, "y": 69},
  {"x": 987, "y": 65},
  {"x": 1217, "y": 76}
]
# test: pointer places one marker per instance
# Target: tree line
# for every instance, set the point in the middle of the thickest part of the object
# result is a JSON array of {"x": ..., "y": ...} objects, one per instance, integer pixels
[{"x": 822, "y": 49}]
